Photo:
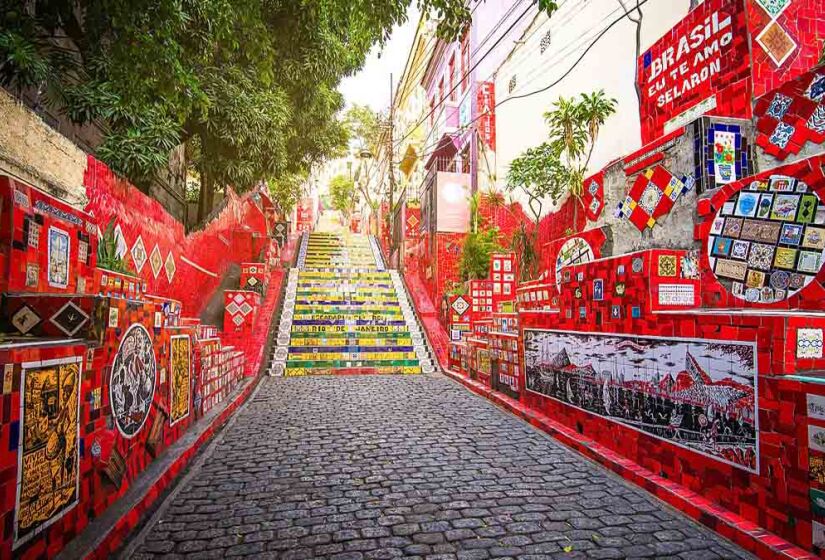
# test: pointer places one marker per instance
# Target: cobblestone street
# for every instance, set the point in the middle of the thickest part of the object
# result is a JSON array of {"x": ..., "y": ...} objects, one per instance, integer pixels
[{"x": 354, "y": 468}]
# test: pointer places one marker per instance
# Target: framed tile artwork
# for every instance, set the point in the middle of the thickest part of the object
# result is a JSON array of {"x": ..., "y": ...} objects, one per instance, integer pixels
[{"x": 766, "y": 242}]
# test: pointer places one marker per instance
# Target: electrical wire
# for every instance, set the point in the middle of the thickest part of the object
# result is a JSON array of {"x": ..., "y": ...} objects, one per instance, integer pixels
[
  {"x": 554, "y": 20},
  {"x": 556, "y": 56},
  {"x": 458, "y": 82},
  {"x": 557, "y": 81},
  {"x": 434, "y": 38}
]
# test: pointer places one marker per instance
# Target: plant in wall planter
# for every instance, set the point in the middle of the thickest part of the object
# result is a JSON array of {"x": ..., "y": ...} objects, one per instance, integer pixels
[
  {"x": 556, "y": 168},
  {"x": 107, "y": 256}
]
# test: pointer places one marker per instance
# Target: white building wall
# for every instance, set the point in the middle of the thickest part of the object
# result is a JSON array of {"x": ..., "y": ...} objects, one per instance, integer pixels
[{"x": 609, "y": 65}]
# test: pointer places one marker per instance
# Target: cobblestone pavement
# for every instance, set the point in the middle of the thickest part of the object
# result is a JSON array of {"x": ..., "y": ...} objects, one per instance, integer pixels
[{"x": 353, "y": 468}]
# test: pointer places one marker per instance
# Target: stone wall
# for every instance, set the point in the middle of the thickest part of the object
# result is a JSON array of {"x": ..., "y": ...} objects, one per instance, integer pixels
[
  {"x": 40, "y": 155},
  {"x": 36, "y": 154}
]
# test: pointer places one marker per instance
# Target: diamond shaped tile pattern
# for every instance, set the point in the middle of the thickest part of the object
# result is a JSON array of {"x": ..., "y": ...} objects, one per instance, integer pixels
[
  {"x": 69, "y": 319},
  {"x": 139, "y": 254},
  {"x": 156, "y": 261},
  {"x": 460, "y": 305},
  {"x": 170, "y": 267},
  {"x": 25, "y": 319}
]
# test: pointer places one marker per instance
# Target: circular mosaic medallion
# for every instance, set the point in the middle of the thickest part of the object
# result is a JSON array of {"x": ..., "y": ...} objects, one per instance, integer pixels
[
  {"x": 132, "y": 384},
  {"x": 574, "y": 251},
  {"x": 767, "y": 241},
  {"x": 780, "y": 280}
]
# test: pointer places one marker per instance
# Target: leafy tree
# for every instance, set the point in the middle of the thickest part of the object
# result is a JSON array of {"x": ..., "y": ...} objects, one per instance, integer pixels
[
  {"x": 286, "y": 190},
  {"x": 364, "y": 129},
  {"x": 557, "y": 167},
  {"x": 540, "y": 173},
  {"x": 343, "y": 194},
  {"x": 251, "y": 82}
]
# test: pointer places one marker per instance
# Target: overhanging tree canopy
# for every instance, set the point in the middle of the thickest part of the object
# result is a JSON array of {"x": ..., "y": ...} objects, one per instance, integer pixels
[{"x": 252, "y": 81}]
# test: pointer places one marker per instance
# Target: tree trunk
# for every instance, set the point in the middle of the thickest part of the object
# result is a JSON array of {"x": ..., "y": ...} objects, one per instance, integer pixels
[
  {"x": 202, "y": 198},
  {"x": 210, "y": 196},
  {"x": 206, "y": 196}
]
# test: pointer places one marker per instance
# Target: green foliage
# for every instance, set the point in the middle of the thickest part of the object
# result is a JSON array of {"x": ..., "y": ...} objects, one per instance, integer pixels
[
  {"x": 548, "y": 6},
  {"x": 523, "y": 244},
  {"x": 343, "y": 194},
  {"x": 107, "y": 251},
  {"x": 540, "y": 173},
  {"x": 253, "y": 81},
  {"x": 286, "y": 190},
  {"x": 475, "y": 254},
  {"x": 364, "y": 128},
  {"x": 557, "y": 166},
  {"x": 457, "y": 289}
]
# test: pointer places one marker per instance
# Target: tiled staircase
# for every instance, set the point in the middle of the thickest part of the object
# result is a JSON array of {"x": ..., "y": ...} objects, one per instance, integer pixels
[{"x": 343, "y": 313}]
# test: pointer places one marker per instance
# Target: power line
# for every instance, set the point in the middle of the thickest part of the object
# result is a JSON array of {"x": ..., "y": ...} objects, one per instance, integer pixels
[
  {"x": 440, "y": 105},
  {"x": 525, "y": 59},
  {"x": 560, "y": 56},
  {"x": 556, "y": 82},
  {"x": 541, "y": 67},
  {"x": 473, "y": 67},
  {"x": 421, "y": 71},
  {"x": 554, "y": 20},
  {"x": 557, "y": 23}
]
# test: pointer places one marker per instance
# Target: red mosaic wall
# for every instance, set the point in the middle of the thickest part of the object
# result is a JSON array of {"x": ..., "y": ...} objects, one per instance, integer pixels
[
  {"x": 777, "y": 497},
  {"x": 672, "y": 294},
  {"x": 798, "y": 26},
  {"x": 778, "y": 484},
  {"x": 46, "y": 246},
  {"x": 792, "y": 116},
  {"x": 675, "y": 74},
  {"x": 110, "y": 458},
  {"x": 188, "y": 266},
  {"x": 113, "y": 322}
]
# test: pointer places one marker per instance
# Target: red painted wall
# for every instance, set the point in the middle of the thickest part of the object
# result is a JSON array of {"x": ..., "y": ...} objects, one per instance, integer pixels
[{"x": 236, "y": 235}]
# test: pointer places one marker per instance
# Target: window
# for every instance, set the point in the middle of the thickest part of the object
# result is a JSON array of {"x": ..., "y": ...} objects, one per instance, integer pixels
[
  {"x": 451, "y": 70},
  {"x": 545, "y": 42},
  {"x": 441, "y": 91},
  {"x": 432, "y": 111},
  {"x": 465, "y": 62}
]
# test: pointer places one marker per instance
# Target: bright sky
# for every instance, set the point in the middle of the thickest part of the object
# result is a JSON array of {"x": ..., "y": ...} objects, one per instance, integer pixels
[{"x": 371, "y": 86}]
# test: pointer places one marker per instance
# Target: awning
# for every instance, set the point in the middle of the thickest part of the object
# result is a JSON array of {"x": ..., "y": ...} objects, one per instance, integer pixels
[{"x": 447, "y": 148}]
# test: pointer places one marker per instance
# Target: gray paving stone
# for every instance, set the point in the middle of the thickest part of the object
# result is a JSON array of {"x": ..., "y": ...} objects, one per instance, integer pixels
[{"x": 384, "y": 467}]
